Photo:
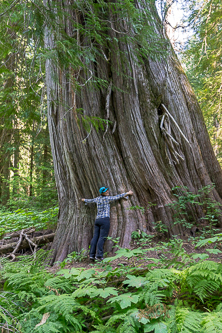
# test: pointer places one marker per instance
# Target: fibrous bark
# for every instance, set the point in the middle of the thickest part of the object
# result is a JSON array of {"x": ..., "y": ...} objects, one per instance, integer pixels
[{"x": 133, "y": 153}]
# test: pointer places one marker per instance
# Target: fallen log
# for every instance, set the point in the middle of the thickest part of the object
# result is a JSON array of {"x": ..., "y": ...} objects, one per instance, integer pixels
[{"x": 25, "y": 244}]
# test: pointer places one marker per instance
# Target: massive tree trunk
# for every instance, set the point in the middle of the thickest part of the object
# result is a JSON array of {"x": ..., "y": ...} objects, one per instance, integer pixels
[{"x": 150, "y": 104}]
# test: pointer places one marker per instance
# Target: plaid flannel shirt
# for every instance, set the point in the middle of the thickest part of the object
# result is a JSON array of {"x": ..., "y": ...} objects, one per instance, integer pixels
[{"x": 103, "y": 204}]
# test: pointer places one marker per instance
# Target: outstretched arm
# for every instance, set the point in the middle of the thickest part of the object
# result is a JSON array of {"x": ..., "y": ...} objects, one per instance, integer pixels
[
  {"x": 119, "y": 196},
  {"x": 89, "y": 200}
]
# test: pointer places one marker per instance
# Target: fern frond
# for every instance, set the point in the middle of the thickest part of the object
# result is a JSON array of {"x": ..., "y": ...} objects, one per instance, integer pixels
[
  {"x": 9, "y": 319},
  {"x": 161, "y": 275},
  {"x": 204, "y": 288},
  {"x": 103, "y": 329},
  {"x": 64, "y": 305},
  {"x": 171, "y": 320},
  {"x": 212, "y": 323},
  {"x": 26, "y": 296},
  {"x": 116, "y": 318},
  {"x": 27, "y": 281},
  {"x": 151, "y": 296},
  {"x": 59, "y": 283},
  {"x": 51, "y": 327},
  {"x": 188, "y": 321},
  {"x": 203, "y": 242},
  {"x": 206, "y": 267},
  {"x": 158, "y": 284},
  {"x": 203, "y": 279}
]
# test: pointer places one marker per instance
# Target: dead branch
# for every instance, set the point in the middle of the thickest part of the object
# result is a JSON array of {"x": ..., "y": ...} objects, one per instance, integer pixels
[
  {"x": 17, "y": 233},
  {"x": 33, "y": 244},
  {"x": 24, "y": 244}
]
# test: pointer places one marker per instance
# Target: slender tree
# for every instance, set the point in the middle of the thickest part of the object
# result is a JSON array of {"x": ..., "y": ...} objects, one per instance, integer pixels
[
  {"x": 114, "y": 63},
  {"x": 7, "y": 108}
]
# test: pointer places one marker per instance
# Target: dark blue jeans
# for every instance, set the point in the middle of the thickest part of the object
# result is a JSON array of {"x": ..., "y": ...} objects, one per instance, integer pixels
[{"x": 101, "y": 231}]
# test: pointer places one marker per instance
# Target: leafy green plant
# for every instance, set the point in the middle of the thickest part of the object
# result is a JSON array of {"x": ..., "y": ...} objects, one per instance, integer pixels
[
  {"x": 141, "y": 238},
  {"x": 89, "y": 122},
  {"x": 216, "y": 239},
  {"x": 178, "y": 256},
  {"x": 23, "y": 218},
  {"x": 141, "y": 209},
  {"x": 187, "y": 202},
  {"x": 75, "y": 257},
  {"x": 160, "y": 227}
]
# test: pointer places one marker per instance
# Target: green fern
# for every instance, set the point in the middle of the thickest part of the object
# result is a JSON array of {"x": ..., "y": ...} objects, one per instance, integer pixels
[
  {"x": 187, "y": 321},
  {"x": 203, "y": 279},
  {"x": 26, "y": 281},
  {"x": 212, "y": 322},
  {"x": 8, "y": 313},
  {"x": 95, "y": 292},
  {"x": 31, "y": 322},
  {"x": 160, "y": 284},
  {"x": 59, "y": 284},
  {"x": 103, "y": 329},
  {"x": 113, "y": 300}
]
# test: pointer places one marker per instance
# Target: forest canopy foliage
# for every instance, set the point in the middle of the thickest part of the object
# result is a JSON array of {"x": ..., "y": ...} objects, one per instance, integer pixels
[{"x": 202, "y": 58}]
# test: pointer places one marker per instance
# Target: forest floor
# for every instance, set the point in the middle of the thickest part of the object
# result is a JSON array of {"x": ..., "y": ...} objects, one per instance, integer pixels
[{"x": 157, "y": 249}]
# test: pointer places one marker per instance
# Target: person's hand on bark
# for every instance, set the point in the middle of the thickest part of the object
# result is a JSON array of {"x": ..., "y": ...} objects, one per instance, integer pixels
[
  {"x": 130, "y": 193},
  {"x": 83, "y": 200}
]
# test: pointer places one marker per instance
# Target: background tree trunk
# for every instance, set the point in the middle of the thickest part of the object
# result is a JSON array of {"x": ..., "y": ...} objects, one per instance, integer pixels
[
  {"x": 31, "y": 166},
  {"x": 133, "y": 153},
  {"x": 15, "y": 189},
  {"x": 6, "y": 132}
]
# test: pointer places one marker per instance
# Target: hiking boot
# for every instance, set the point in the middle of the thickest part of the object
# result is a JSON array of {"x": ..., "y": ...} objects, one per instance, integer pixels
[
  {"x": 92, "y": 258},
  {"x": 99, "y": 259}
]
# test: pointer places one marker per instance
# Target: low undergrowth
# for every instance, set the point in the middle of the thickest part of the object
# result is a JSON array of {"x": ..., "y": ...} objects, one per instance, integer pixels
[
  {"x": 144, "y": 295},
  {"x": 25, "y": 218}
]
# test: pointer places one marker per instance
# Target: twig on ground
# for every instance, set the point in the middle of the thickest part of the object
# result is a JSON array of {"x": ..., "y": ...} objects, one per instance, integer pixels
[{"x": 17, "y": 246}]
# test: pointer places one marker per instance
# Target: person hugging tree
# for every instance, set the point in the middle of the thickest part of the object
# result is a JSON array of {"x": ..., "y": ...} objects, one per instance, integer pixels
[{"x": 102, "y": 222}]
